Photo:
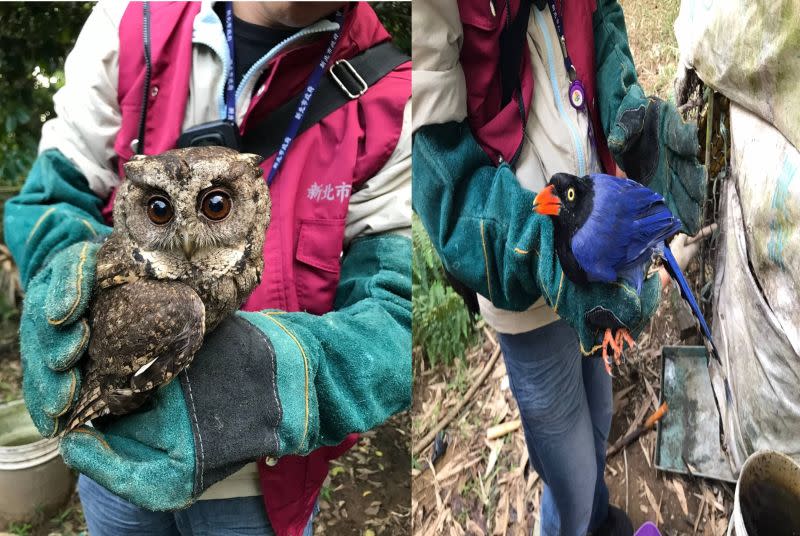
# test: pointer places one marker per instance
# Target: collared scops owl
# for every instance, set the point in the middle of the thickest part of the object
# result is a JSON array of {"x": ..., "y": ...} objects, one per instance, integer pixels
[{"x": 186, "y": 251}]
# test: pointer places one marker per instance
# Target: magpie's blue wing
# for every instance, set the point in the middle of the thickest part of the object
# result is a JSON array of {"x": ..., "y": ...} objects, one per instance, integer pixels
[{"x": 626, "y": 223}]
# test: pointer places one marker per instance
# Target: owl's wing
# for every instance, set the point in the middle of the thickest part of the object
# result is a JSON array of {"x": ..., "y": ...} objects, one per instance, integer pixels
[{"x": 143, "y": 334}]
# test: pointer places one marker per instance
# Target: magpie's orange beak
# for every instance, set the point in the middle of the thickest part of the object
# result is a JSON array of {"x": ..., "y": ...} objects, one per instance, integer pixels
[{"x": 547, "y": 202}]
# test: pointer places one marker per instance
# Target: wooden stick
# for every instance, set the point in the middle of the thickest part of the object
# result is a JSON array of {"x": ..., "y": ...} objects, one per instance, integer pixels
[
  {"x": 625, "y": 455},
  {"x": 699, "y": 515},
  {"x": 489, "y": 336},
  {"x": 708, "y": 230},
  {"x": 453, "y": 413},
  {"x": 632, "y": 436},
  {"x": 502, "y": 429}
]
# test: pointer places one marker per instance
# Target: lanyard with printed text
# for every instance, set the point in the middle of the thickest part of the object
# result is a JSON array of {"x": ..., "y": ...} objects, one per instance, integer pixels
[
  {"x": 577, "y": 93},
  {"x": 230, "y": 85},
  {"x": 305, "y": 101}
]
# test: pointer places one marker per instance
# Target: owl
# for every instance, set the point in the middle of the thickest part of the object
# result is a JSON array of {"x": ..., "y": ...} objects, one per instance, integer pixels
[{"x": 186, "y": 251}]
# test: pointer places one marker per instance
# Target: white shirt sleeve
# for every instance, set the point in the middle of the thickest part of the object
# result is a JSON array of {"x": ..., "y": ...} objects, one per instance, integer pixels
[
  {"x": 87, "y": 111},
  {"x": 438, "y": 85},
  {"x": 383, "y": 204}
]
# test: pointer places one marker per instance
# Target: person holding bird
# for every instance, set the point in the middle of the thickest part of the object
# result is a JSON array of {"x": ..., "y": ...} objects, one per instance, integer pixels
[
  {"x": 521, "y": 112},
  {"x": 239, "y": 442}
]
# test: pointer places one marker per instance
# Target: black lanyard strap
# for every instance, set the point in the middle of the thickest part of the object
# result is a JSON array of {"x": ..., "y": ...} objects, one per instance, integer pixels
[
  {"x": 512, "y": 45},
  {"x": 266, "y": 136}
]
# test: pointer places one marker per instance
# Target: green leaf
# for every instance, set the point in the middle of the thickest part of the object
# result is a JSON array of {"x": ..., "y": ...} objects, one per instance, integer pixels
[
  {"x": 442, "y": 326},
  {"x": 34, "y": 34},
  {"x": 11, "y": 123}
]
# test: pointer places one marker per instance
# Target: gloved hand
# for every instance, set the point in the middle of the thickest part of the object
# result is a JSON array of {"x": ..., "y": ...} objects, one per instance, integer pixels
[
  {"x": 54, "y": 334},
  {"x": 646, "y": 136},
  {"x": 147, "y": 458},
  {"x": 222, "y": 414},
  {"x": 592, "y": 308},
  {"x": 232, "y": 406},
  {"x": 482, "y": 224},
  {"x": 655, "y": 147}
]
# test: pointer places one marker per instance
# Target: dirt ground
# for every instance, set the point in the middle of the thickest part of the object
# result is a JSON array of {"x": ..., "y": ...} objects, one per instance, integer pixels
[
  {"x": 368, "y": 490},
  {"x": 483, "y": 486}
]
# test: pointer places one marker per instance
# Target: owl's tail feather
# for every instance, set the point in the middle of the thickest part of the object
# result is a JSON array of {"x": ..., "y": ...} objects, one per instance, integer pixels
[{"x": 90, "y": 406}]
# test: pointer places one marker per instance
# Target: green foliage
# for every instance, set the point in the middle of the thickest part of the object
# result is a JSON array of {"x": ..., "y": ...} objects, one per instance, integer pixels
[
  {"x": 442, "y": 327},
  {"x": 20, "y": 529},
  {"x": 35, "y": 41},
  {"x": 36, "y": 38},
  {"x": 396, "y": 18},
  {"x": 8, "y": 311}
]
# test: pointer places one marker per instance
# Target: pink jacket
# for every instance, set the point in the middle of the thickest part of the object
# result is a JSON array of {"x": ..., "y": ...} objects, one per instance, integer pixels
[{"x": 310, "y": 196}]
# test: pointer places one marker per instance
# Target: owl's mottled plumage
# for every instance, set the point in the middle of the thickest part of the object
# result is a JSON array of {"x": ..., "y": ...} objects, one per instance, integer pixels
[{"x": 161, "y": 286}]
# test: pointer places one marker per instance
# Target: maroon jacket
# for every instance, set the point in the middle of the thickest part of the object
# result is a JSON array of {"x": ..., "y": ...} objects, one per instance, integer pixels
[{"x": 498, "y": 128}]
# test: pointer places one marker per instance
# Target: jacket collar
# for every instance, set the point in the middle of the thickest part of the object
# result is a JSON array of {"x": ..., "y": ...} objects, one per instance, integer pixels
[{"x": 208, "y": 30}]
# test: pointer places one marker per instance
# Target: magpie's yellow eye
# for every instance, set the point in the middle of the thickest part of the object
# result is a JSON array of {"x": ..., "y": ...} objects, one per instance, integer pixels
[{"x": 571, "y": 194}]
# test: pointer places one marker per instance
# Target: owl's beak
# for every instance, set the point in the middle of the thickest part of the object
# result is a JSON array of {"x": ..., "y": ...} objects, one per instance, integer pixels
[{"x": 188, "y": 245}]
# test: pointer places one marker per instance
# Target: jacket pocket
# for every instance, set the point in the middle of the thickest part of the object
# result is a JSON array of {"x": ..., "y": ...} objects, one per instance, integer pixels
[{"x": 318, "y": 263}]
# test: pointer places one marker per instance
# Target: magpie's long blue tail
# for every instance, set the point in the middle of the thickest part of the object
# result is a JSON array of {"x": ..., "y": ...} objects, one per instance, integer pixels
[{"x": 675, "y": 271}]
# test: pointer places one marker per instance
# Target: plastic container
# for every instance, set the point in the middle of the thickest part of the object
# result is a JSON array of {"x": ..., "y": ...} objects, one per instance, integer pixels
[
  {"x": 767, "y": 499},
  {"x": 34, "y": 481}
]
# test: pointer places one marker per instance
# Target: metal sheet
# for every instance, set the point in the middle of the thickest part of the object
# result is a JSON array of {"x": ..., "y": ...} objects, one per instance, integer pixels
[{"x": 689, "y": 432}]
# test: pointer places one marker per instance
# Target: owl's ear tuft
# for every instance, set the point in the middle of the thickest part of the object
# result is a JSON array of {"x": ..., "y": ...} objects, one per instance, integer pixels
[
  {"x": 250, "y": 158},
  {"x": 134, "y": 167}
]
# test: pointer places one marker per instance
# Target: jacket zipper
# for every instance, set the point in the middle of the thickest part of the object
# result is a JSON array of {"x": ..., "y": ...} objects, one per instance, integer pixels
[
  {"x": 317, "y": 28},
  {"x": 557, "y": 94}
]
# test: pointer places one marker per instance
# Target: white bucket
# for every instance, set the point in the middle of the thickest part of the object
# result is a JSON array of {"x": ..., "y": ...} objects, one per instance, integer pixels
[
  {"x": 33, "y": 478},
  {"x": 767, "y": 500}
]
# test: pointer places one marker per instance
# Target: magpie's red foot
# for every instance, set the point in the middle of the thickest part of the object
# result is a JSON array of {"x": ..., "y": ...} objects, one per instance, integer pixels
[{"x": 617, "y": 344}]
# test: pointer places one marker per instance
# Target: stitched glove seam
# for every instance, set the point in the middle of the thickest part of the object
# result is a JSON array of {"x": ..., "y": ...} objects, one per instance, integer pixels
[
  {"x": 273, "y": 377},
  {"x": 199, "y": 453}
]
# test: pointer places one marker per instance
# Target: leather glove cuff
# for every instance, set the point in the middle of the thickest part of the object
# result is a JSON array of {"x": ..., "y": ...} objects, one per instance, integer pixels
[{"x": 235, "y": 416}]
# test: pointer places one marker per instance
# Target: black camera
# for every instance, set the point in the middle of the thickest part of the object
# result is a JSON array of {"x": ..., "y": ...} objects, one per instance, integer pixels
[{"x": 223, "y": 132}]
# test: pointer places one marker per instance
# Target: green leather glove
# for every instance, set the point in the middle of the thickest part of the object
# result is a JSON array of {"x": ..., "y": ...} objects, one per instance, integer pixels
[
  {"x": 266, "y": 384},
  {"x": 481, "y": 221},
  {"x": 55, "y": 209},
  {"x": 147, "y": 458},
  {"x": 655, "y": 147},
  {"x": 53, "y": 228},
  {"x": 646, "y": 135},
  {"x": 592, "y": 308},
  {"x": 54, "y": 334},
  {"x": 223, "y": 413}
]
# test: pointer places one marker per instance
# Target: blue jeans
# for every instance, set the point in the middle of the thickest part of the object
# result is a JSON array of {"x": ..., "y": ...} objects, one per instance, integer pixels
[
  {"x": 109, "y": 515},
  {"x": 565, "y": 404}
]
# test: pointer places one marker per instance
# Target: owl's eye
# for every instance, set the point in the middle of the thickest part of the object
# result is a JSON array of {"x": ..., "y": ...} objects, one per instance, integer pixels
[
  {"x": 159, "y": 210},
  {"x": 571, "y": 194},
  {"x": 216, "y": 205}
]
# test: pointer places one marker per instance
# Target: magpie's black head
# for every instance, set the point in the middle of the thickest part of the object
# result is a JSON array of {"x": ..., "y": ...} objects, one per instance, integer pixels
[{"x": 568, "y": 200}]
